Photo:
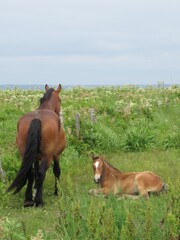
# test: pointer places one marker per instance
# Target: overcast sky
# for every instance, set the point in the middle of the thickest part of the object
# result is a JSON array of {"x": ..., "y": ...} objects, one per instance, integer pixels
[{"x": 79, "y": 42}]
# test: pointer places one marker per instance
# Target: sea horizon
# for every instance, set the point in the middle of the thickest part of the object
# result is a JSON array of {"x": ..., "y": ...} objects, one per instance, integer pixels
[{"x": 41, "y": 86}]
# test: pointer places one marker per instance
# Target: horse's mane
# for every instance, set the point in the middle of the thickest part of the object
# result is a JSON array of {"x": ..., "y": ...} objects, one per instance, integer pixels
[
  {"x": 109, "y": 165},
  {"x": 112, "y": 166},
  {"x": 46, "y": 96}
]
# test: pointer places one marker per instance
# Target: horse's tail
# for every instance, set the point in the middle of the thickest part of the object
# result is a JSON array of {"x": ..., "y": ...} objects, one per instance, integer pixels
[
  {"x": 32, "y": 147},
  {"x": 164, "y": 187}
]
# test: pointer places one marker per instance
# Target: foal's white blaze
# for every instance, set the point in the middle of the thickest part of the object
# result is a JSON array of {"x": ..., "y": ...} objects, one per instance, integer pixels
[
  {"x": 96, "y": 164},
  {"x": 97, "y": 175}
]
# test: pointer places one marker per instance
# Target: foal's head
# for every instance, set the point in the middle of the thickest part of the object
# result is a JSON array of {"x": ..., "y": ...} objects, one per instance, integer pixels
[
  {"x": 98, "y": 165},
  {"x": 51, "y": 99}
]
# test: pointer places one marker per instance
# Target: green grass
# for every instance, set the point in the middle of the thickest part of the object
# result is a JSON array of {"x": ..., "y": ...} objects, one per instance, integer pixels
[
  {"x": 136, "y": 129},
  {"x": 70, "y": 215}
]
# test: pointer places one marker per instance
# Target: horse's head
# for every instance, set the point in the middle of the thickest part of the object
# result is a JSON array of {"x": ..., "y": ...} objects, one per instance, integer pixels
[
  {"x": 51, "y": 99},
  {"x": 98, "y": 166}
]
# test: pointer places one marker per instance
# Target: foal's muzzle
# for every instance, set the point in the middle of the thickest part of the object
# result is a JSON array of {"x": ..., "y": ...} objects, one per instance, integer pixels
[{"x": 97, "y": 179}]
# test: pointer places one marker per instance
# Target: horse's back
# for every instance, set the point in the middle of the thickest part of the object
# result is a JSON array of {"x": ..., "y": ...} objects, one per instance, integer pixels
[
  {"x": 148, "y": 176},
  {"x": 144, "y": 175}
]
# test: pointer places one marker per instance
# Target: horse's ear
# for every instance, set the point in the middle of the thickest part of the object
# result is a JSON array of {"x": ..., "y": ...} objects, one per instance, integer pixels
[
  {"x": 102, "y": 157},
  {"x": 92, "y": 155},
  {"x": 46, "y": 87},
  {"x": 59, "y": 88}
]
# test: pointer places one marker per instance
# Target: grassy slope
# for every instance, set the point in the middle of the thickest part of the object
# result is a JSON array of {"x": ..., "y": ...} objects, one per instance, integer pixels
[{"x": 74, "y": 214}]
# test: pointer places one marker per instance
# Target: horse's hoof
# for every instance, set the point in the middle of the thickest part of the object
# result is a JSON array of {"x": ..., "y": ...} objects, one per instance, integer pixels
[
  {"x": 56, "y": 193},
  {"x": 92, "y": 192},
  {"x": 28, "y": 204},
  {"x": 39, "y": 204},
  {"x": 120, "y": 198}
]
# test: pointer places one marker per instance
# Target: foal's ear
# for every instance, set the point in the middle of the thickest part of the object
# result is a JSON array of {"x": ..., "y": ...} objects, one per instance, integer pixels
[
  {"x": 102, "y": 157},
  {"x": 59, "y": 88},
  {"x": 46, "y": 87},
  {"x": 92, "y": 155}
]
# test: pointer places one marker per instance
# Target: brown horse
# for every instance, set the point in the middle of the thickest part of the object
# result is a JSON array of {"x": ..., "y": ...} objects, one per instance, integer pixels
[
  {"x": 40, "y": 139},
  {"x": 128, "y": 184}
]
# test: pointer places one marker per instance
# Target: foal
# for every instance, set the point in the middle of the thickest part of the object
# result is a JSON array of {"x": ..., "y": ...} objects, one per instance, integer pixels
[{"x": 128, "y": 184}]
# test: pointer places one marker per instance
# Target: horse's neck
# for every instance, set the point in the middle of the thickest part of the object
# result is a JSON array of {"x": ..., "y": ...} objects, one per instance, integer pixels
[
  {"x": 47, "y": 105},
  {"x": 109, "y": 170}
]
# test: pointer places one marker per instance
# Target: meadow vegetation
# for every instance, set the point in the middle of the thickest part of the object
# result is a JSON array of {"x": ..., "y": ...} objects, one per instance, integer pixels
[{"x": 135, "y": 128}]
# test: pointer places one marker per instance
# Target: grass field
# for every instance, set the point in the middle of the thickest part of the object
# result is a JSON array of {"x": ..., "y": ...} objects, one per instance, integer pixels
[{"x": 136, "y": 129}]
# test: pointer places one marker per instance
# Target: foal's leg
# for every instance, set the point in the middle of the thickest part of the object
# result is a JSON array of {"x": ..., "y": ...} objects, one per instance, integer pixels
[
  {"x": 99, "y": 191},
  {"x": 40, "y": 179},
  {"x": 57, "y": 172},
  {"x": 142, "y": 188},
  {"x": 127, "y": 196},
  {"x": 28, "y": 202}
]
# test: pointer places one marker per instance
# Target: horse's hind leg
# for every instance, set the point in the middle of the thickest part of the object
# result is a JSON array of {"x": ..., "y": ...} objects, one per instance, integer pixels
[
  {"x": 28, "y": 202},
  {"x": 39, "y": 181},
  {"x": 142, "y": 189},
  {"x": 57, "y": 172},
  {"x": 36, "y": 170}
]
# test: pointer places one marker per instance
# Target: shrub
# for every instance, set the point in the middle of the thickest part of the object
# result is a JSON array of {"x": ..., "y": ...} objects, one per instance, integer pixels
[
  {"x": 139, "y": 136},
  {"x": 172, "y": 140}
]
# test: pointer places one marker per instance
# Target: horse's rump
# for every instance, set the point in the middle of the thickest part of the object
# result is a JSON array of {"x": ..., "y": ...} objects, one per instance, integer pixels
[
  {"x": 149, "y": 181},
  {"x": 50, "y": 126}
]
